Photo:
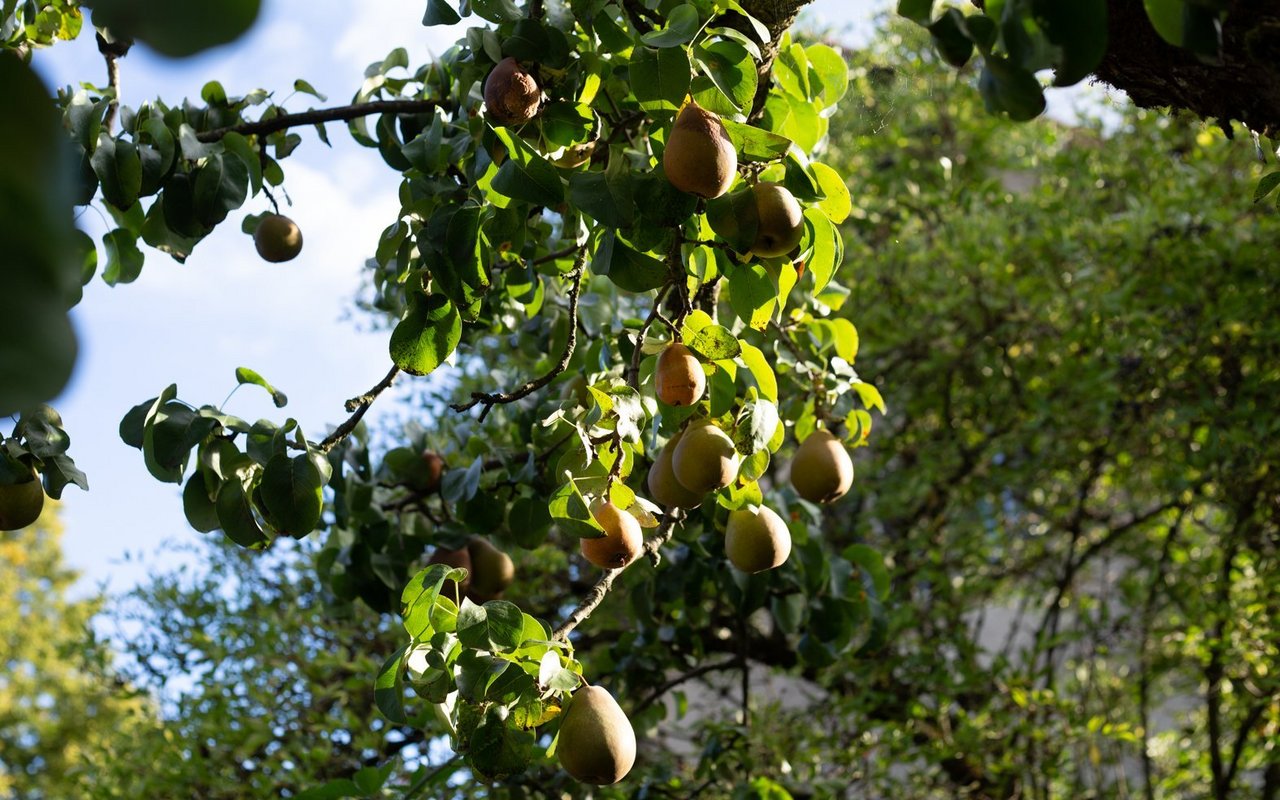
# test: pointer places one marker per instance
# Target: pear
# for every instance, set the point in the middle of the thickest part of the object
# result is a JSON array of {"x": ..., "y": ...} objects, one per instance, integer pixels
[
  {"x": 679, "y": 378},
  {"x": 597, "y": 744},
  {"x": 781, "y": 220},
  {"x": 511, "y": 94},
  {"x": 492, "y": 570},
  {"x": 621, "y": 543},
  {"x": 705, "y": 459},
  {"x": 821, "y": 470},
  {"x": 662, "y": 482},
  {"x": 435, "y": 470},
  {"x": 21, "y": 503},
  {"x": 756, "y": 540},
  {"x": 699, "y": 157},
  {"x": 277, "y": 238},
  {"x": 453, "y": 558}
]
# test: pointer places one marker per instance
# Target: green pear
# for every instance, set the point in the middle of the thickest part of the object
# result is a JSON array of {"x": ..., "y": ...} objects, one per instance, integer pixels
[
  {"x": 21, "y": 503},
  {"x": 662, "y": 482},
  {"x": 781, "y": 222},
  {"x": 699, "y": 157},
  {"x": 492, "y": 570},
  {"x": 756, "y": 540},
  {"x": 597, "y": 744},
  {"x": 705, "y": 459},
  {"x": 622, "y": 540},
  {"x": 821, "y": 470},
  {"x": 277, "y": 238},
  {"x": 678, "y": 378}
]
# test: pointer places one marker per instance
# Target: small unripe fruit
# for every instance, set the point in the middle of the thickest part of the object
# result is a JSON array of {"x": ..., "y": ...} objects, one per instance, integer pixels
[
  {"x": 699, "y": 157},
  {"x": 757, "y": 540},
  {"x": 511, "y": 93},
  {"x": 781, "y": 222},
  {"x": 597, "y": 744},
  {"x": 679, "y": 378},
  {"x": 277, "y": 238},
  {"x": 492, "y": 570},
  {"x": 705, "y": 459},
  {"x": 21, "y": 503},
  {"x": 622, "y": 540},
  {"x": 662, "y": 482},
  {"x": 821, "y": 471}
]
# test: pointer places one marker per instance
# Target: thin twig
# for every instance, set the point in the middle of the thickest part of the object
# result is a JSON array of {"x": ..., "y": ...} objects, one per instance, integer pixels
[
  {"x": 496, "y": 398},
  {"x": 684, "y": 677},
  {"x": 357, "y": 406},
  {"x": 633, "y": 371},
  {"x": 601, "y": 588},
  {"x": 321, "y": 115},
  {"x": 111, "y": 53}
]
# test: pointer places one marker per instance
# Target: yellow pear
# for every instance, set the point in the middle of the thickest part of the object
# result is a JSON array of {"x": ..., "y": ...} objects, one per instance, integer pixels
[
  {"x": 756, "y": 540},
  {"x": 621, "y": 543},
  {"x": 699, "y": 157},
  {"x": 781, "y": 220},
  {"x": 705, "y": 459},
  {"x": 20, "y": 503},
  {"x": 821, "y": 471},
  {"x": 597, "y": 744},
  {"x": 277, "y": 238},
  {"x": 662, "y": 482},
  {"x": 453, "y": 558},
  {"x": 492, "y": 570},
  {"x": 679, "y": 378},
  {"x": 511, "y": 93}
]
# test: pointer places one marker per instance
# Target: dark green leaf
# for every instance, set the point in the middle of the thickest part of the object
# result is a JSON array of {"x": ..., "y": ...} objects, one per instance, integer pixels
[
  {"x": 124, "y": 259},
  {"x": 682, "y": 26},
  {"x": 426, "y": 336},
  {"x": 624, "y": 265},
  {"x": 176, "y": 29},
  {"x": 660, "y": 78},
  {"x": 388, "y": 691},
  {"x": 293, "y": 493},
  {"x": 236, "y": 518}
]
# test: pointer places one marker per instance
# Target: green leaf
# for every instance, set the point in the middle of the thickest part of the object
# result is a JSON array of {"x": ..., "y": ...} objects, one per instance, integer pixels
[
  {"x": 221, "y": 186},
  {"x": 951, "y": 38},
  {"x": 388, "y": 689},
  {"x": 176, "y": 29},
  {"x": 525, "y": 175},
  {"x": 761, "y": 371},
  {"x": 603, "y": 196},
  {"x": 1080, "y": 30},
  {"x": 828, "y": 74},
  {"x": 732, "y": 69},
  {"x": 836, "y": 201},
  {"x": 1010, "y": 89},
  {"x": 245, "y": 375},
  {"x": 305, "y": 87},
  {"x": 293, "y": 493},
  {"x": 570, "y": 511},
  {"x": 870, "y": 396},
  {"x": 124, "y": 259},
  {"x": 439, "y": 12},
  {"x": 1266, "y": 185},
  {"x": 755, "y": 426},
  {"x": 714, "y": 342},
  {"x": 659, "y": 78},
  {"x": 426, "y": 336},
  {"x": 236, "y": 518},
  {"x": 170, "y": 434},
  {"x": 920, "y": 11},
  {"x": 119, "y": 170},
  {"x": 197, "y": 504},
  {"x": 828, "y": 248},
  {"x": 496, "y": 10},
  {"x": 752, "y": 295},
  {"x": 755, "y": 144},
  {"x": 624, "y": 265},
  {"x": 495, "y": 626},
  {"x": 682, "y": 26},
  {"x": 498, "y": 750}
]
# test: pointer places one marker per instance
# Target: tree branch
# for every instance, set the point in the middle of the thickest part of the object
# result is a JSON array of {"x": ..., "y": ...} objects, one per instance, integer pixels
[
  {"x": 357, "y": 406},
  {"x": 319, "y": 116},
  {"x": 601, "y": 588},
  {"x": 496, "y": 398},
  {"x": 684, "y": 677},
  {"x": 111, "y": 53},
  {"x": 633, "y": 371}
]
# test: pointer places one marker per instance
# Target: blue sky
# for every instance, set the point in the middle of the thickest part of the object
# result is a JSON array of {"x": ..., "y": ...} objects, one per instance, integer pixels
[{"x": 194, "y": 323}]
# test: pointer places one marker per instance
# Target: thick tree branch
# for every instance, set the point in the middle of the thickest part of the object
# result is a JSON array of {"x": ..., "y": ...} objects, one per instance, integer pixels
[
  {"x": 601, "y": 588},
  {"x": 111, "y": 54},
  {"x": 357, "y": 406},
  {"x": 319, "y": 116},
  {"x": 497, "y": 398}
]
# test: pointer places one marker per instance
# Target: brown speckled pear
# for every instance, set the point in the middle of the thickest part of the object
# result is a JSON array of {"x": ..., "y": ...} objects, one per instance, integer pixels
[
  {"x": 821, "y": 470},
  {"x": 781, "y": 222},
  {"x": 597, "y": 744},
  {"x": 678, "y": 378},
  {"x": 511, "y": 94},
  {"x": 621, "y": 543},
  {"x": 757, "y": 540},
  {"x": 699, "y": 157}
]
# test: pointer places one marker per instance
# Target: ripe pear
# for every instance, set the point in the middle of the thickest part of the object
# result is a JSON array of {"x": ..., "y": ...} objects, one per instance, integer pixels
[
  {"x": 21, "y": 503},
  {"x": 492, "y": 570},
  {"x": 511, "y": 93},
  {"x": 705, "y": 459},
  {"x": 621, "y": 543},
  {"x": 757, "y": 540},
  {"x": 435, "y": 471},
  {"x": 679, "y": 378},
  {"x": 597, "y": 744},
  {"x": 699, "y": 157},
  {"x": 821, "y": 471},
  {"x": 781, "y": 220},
  {"x": 277, "y": 238},
  {"x": 662, "y": 482},
  {"x": 453, "y": 558}
]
